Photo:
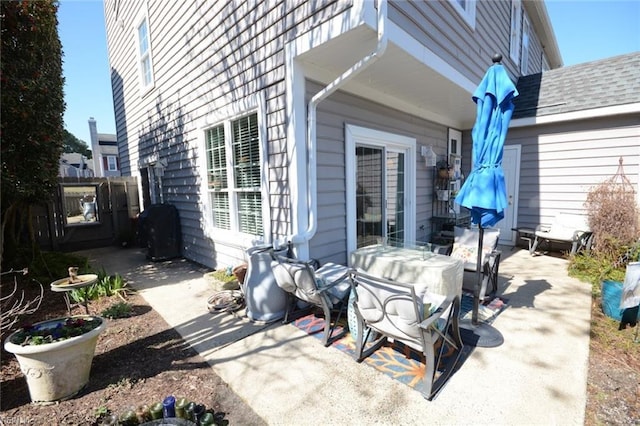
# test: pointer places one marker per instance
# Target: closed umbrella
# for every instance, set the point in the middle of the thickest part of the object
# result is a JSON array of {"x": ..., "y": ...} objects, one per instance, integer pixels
[{"x": 484, "y": 192}]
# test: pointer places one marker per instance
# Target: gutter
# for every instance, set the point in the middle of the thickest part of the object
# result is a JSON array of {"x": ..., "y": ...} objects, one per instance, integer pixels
[{"x": 312, "y": 184}]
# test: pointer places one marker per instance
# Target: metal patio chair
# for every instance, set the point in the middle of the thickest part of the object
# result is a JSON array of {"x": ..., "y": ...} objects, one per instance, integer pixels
[
  {"x": 327, "y": 288},
  {"x": 426, "y": 323}
]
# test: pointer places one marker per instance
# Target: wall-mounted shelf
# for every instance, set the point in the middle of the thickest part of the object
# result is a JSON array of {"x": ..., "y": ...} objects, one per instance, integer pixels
[{"x": 445, "y": 213}]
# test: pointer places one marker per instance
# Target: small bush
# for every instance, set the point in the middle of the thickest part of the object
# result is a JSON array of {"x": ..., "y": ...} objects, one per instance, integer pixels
[
  {"x": 222, "y": 275},
  {"x": 119, "y": 310},
  {"x": 106, "y": 286},
  {"x": 614, "y": 218}
]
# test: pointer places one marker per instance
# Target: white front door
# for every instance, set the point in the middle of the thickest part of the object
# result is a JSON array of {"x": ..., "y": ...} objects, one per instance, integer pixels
[{"x": 511, "y": 167}]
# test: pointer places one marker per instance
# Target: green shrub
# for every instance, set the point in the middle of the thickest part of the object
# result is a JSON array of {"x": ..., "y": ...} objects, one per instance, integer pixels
[
  {"x": 48, "y": 266},
  {"x": 593, "y": 268},
  {"x": 222, "y": 275},
  {"x": 119, "y": 310},
  {"x": 106, "y": 286}
]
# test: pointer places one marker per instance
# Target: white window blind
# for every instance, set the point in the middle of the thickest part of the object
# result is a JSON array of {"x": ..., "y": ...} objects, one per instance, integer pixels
[{"x": 234, "y": 181}]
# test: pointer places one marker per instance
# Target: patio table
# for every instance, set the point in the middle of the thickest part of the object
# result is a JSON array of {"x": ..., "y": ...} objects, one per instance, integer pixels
[
  {"x": 429, "y": 272},
  {"x": 438, "y": 273}
]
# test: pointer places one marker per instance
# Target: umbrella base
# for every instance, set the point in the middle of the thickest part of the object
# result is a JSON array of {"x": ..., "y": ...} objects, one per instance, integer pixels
[{"x": 481, "y": 335}]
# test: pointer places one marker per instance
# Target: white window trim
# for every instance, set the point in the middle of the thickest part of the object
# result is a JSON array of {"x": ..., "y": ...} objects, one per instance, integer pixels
[
  {"x": 246, "y": 106},
  {"x": 144, "y": 17},
  {"x": 515, "y": 32},
  {"x": 362, "y": 135},
  {"x": 467, "y": 13},
  {"x": 112, "y": 160},
  {"x": 526, "y": 41}
]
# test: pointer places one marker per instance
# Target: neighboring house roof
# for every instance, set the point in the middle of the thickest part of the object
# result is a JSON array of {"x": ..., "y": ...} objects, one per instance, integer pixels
[
  {"x": 605, "y": 83},
  {"x": 107, "y": 139},
  {"x": 75, "y": 165}
]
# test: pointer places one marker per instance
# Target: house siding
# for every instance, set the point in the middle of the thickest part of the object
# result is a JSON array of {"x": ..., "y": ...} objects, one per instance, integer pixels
[
  {"x": 206, "y": 56},
  {"x": 438, "y": 26},
  {"x": 560, "y": 163},
  {"x": 210, "y": 57},
  {"x": 340, "y": 109}
]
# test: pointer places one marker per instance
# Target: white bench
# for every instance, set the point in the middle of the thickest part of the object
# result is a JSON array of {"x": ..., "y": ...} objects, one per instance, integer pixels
[{"x": 566, "y": 228}]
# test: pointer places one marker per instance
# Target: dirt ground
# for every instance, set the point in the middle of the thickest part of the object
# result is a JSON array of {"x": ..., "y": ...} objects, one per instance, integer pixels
[
  {"x": 142, "y": 360},
  {"x": 138, "y": 360},
  {"x": 613, "y": 384}
]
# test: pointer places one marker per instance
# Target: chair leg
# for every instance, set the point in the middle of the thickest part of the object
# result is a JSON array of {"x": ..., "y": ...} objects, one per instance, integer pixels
[
  {"x": 290, "y": 304},
  {"x": 329, "y": 326},
  {"x": 534, "y": 245},
  {"x": 450, "y": 336},
  {"x": 363, "y": 337},
  {"x": 574, "y": 247}
]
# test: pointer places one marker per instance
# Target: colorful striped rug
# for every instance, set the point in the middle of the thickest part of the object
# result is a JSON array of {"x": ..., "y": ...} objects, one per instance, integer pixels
[{"x": 395, "y": 359}]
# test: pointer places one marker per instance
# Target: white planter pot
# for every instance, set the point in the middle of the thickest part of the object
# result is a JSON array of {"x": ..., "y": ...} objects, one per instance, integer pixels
[{"x": 59, "y": 370}]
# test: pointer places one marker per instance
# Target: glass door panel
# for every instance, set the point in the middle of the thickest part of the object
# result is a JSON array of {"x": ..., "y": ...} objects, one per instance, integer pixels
[
  {"x": 395, "y": 198},
  {"x": 380, "y": 195},
  {"x": 369, "y": 195}
]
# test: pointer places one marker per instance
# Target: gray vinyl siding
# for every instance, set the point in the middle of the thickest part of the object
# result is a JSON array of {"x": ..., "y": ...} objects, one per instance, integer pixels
[
  {"x": 205, "y": 56},
  {"x": 437, "y": 25},
  {"x": 340, "y": 109},
  {"x": 560, "y": 163}
]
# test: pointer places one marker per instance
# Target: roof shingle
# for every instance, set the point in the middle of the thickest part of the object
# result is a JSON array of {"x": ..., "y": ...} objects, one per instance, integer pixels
[{"x": 604, "y": 83}]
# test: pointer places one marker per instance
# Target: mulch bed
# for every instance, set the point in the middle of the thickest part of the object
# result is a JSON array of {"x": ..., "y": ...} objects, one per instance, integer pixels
[{"x": 138, "y": 360}]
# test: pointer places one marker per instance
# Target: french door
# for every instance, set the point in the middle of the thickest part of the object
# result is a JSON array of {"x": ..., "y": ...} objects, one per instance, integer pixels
[
  {"x": 383, "y": 188},
  {"x": 380, "y": 195}
]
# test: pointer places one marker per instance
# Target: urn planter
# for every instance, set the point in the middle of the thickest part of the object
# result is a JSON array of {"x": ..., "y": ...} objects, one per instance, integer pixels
[{"x": 59, "y": 369}]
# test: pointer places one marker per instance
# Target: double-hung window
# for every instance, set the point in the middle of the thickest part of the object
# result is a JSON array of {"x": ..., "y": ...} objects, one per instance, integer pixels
[
  {"x": 524, "y": 60},
  {"x": 144, "y": 54},
  {"x": 516, "y": 28},
  {"x": 467, "y": 10},
  {"x": 234, "y": 175},
  {"x": 112, "y": 163}
]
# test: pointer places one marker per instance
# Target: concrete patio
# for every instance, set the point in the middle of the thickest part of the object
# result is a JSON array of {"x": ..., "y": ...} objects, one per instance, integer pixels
[{"x": 537, "y": 376}]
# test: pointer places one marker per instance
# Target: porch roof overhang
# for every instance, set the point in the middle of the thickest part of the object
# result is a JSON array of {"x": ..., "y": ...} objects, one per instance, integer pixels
[{"x": 406, "y": 77}]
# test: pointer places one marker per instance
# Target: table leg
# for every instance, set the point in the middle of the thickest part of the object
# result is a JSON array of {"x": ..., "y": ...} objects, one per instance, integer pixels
[{"x": 85, "y": 300}]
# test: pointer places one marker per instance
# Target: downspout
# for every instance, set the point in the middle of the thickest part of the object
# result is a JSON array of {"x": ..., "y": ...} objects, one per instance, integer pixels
[{"x": 312, "y": 187}]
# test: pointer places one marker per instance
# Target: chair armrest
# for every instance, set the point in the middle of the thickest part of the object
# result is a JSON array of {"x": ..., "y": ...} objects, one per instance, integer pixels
[
  {"x": 578, "y": 233},
  {"x": 494, "y": 256},
  {"x": 543, "y": 228},
  {"x": 329, "y": 285},
  {"x": 427, "y": 322}
]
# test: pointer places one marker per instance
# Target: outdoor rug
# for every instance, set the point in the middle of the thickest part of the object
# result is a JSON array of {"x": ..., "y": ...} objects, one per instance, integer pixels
[{"x": 395, "y": 359}]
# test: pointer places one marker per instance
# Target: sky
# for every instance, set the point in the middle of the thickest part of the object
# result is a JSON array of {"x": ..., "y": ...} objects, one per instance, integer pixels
[{"x": 586, "y": 30}]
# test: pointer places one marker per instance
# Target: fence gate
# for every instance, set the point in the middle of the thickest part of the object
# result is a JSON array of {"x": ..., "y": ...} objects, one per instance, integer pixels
[{"x": 88, "y": 213}]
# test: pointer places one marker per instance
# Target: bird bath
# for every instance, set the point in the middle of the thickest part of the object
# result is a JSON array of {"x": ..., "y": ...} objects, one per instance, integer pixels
[{"x": 73, "y": 282}]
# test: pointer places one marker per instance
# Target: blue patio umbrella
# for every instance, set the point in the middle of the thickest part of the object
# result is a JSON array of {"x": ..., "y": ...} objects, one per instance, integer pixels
[{"x": 484, "y": 192}]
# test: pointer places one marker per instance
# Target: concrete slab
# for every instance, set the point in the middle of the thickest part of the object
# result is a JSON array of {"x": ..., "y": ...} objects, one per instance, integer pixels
[{"x": 537, "y": 376}]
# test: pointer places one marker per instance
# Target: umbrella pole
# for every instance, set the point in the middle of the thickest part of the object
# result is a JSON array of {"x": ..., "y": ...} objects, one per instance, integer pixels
[
  {"x": 475, "y": 333},
  {"x": 476, "y": 287}
]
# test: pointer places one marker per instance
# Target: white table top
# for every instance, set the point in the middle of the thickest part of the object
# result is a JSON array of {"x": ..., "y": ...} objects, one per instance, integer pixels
[{"x": 436, "y": 273}]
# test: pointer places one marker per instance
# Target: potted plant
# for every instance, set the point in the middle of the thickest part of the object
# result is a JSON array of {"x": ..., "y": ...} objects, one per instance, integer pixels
[
  {"x": 55, "y": 355},
  {"x": 444, "y": 169}
]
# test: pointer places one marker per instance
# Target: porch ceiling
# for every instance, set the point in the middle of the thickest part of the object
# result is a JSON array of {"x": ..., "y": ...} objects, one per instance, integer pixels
[{"x": 397, "y": 79}]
